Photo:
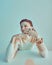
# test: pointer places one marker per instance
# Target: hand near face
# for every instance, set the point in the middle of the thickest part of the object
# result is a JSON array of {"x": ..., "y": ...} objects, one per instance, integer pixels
[{"x": 39, "y": 41}]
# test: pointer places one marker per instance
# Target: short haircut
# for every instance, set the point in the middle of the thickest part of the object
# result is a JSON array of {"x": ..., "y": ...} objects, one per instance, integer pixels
[{"x": 26, "y": 20}]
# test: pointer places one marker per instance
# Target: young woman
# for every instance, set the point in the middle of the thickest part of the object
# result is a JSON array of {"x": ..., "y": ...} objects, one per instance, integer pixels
[{"x": 25, "y": 41}]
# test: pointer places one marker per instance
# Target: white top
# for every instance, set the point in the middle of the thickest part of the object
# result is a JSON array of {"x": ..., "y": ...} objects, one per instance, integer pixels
[{"x": 26, "y": 45}]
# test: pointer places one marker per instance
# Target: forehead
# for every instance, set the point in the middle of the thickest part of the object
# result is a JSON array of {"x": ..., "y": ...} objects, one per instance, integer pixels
[{"x": 25, "y": 23}]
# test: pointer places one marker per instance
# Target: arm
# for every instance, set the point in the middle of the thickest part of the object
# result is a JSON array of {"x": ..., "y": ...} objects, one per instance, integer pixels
[
  {"x": 12, "y": 49},
  {"x": 41, "y": 47}
]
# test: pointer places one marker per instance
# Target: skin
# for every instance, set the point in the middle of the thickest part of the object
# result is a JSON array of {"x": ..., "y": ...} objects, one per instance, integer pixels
[
  {"x": 24, "y": 26},
  {"x": 39, "y": 41}
]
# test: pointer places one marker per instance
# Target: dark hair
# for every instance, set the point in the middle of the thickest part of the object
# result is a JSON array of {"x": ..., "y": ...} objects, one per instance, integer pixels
[{"x": 26, "y": 20}]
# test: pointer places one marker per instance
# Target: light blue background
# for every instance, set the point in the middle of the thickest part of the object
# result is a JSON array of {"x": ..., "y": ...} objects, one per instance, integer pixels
[{"x": 12, "y": 11}]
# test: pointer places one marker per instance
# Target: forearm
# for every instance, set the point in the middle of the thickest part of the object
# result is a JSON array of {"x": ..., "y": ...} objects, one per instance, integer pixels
[{"x": 42, "y": 48}]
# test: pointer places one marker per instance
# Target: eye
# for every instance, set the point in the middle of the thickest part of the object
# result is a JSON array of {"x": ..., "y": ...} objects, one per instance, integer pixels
[{"x": 25, "y": 25}]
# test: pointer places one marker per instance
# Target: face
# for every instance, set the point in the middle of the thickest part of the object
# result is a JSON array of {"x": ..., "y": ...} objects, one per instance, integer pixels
[{"x": 25, "y": 26}]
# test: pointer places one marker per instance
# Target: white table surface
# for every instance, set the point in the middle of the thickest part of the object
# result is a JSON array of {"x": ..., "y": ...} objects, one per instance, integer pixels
[{"x": 23, "y": 56}]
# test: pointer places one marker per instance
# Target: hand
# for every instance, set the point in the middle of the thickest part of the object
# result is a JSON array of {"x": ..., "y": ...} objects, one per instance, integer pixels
[
  {"x": 33, "y": 40},
  {"x": 39, "y": 41}
]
